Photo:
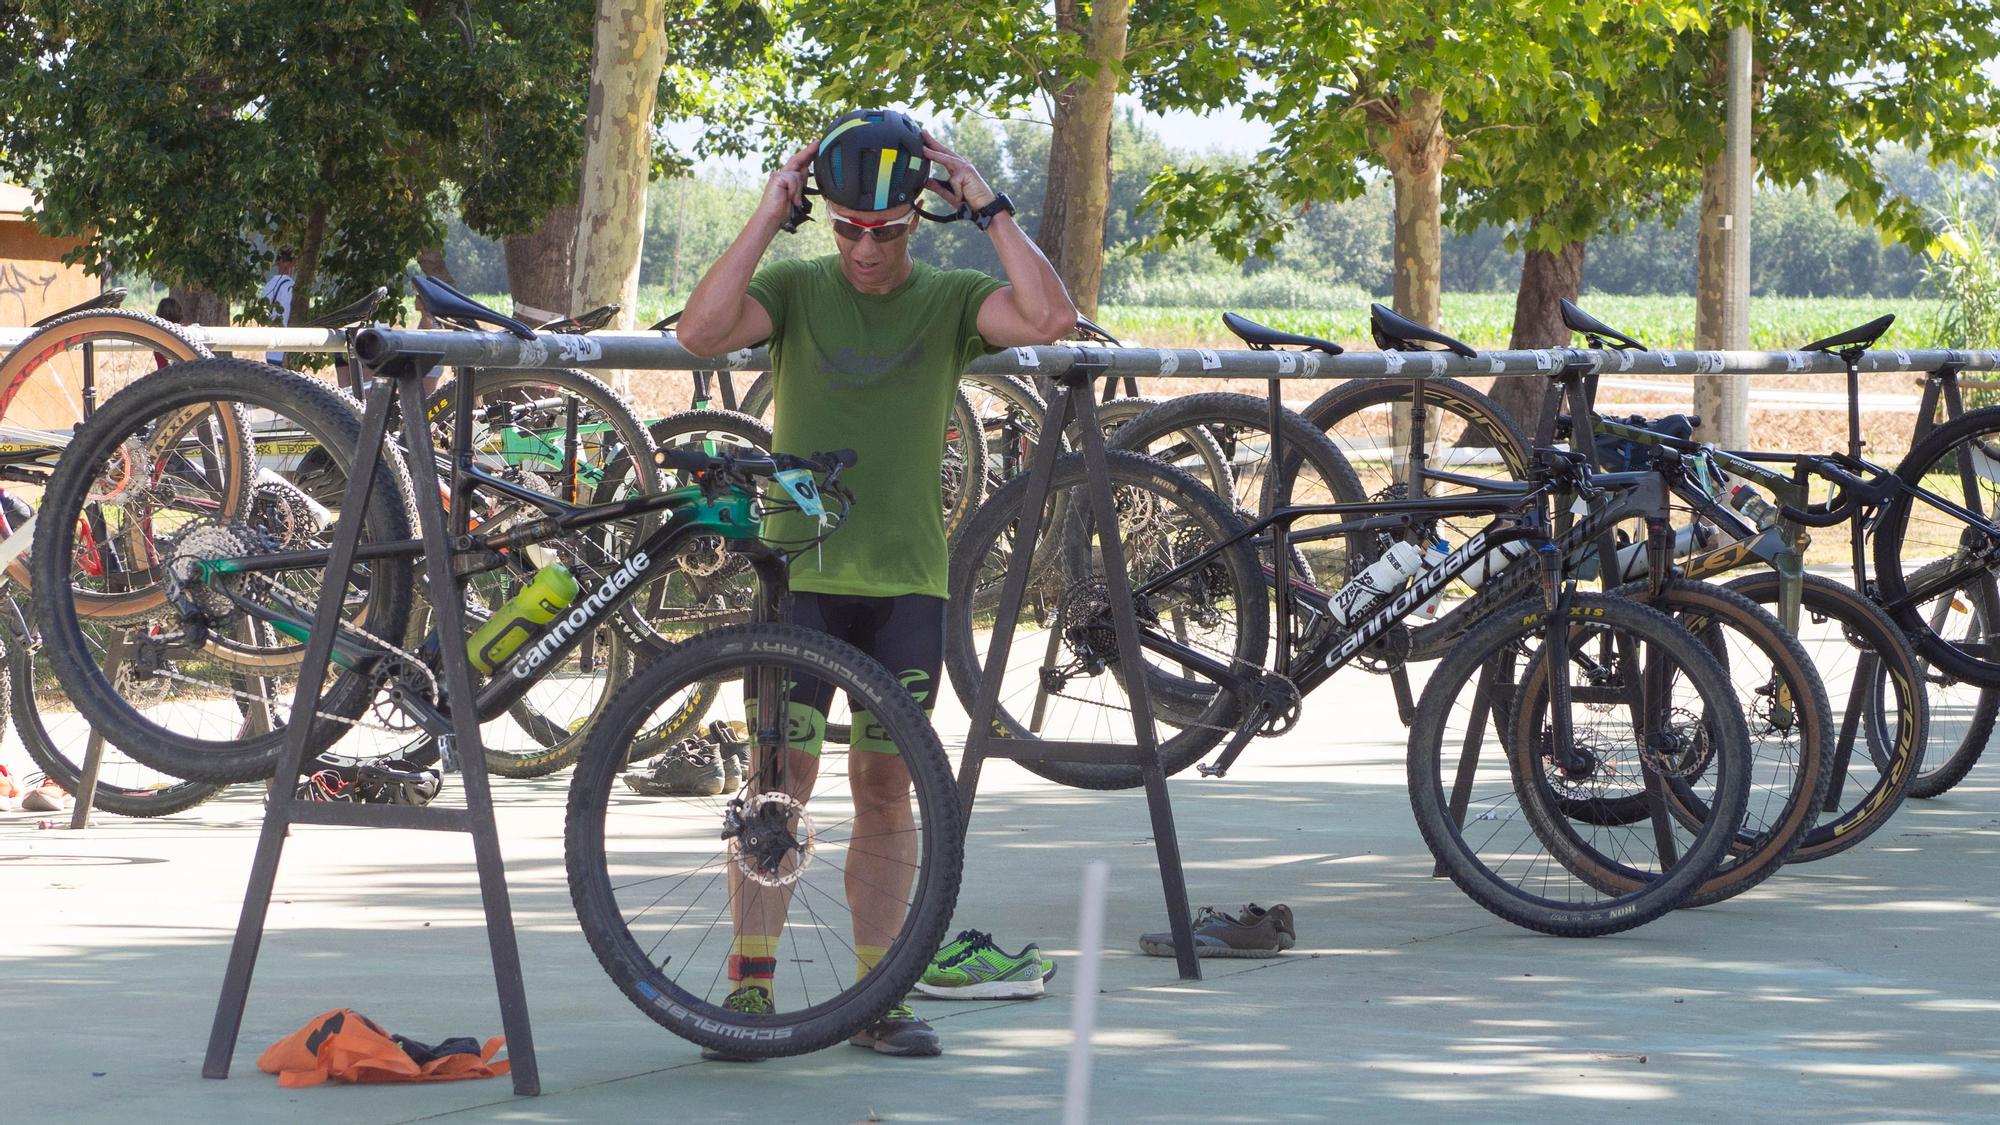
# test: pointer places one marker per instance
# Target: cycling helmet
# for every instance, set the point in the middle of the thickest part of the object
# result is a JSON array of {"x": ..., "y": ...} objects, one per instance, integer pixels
[{"x": 871, "y": 160}]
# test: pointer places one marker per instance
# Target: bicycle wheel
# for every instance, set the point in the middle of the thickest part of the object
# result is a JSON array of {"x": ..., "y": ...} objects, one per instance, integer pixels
[
  {"x": 1010, "y": 415},
  {"x": 1499, "y": 814},
  {"x": 1314, "y": 473},
  {"x": 57, "y": 738},
  {"x": 567, "y": 435},
  {"x": 1465, "y": 432},
  {"x": 1064, "y": 676},
  {"x": 1790, "y": 723},
  {"x": 1876, "y": 692},
  {"x": 1194, "y": 450},
  {"x": 1960, "y": 462},
  {"x": 829, "y": 876},
  {"x": 200, "y": 688},
  {"x": 1962, "y": 713}
]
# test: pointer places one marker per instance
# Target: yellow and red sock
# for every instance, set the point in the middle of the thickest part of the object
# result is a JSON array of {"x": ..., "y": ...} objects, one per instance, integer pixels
[{"x": 753, "y": 960}]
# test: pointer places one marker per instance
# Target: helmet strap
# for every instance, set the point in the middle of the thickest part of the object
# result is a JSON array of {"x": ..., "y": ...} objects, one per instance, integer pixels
[{"x": 963, "y": 212}]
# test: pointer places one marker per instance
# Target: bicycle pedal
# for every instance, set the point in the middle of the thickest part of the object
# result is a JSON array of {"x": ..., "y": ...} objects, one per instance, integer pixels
[{"x": 1206, "y": 770}]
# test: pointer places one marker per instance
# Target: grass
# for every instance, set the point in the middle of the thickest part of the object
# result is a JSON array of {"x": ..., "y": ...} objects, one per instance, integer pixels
[{"x": 1485, "y": 320}]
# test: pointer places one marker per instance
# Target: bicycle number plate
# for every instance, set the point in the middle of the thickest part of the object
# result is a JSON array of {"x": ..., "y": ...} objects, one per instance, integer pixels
[{"x": 803, "y": 489}]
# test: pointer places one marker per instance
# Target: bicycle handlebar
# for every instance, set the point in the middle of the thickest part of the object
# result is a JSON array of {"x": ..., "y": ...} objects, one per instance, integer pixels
[{"x": 1849, "y": 492}]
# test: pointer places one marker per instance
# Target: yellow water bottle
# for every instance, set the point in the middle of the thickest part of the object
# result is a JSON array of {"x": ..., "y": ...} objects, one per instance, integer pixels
[{"x": 523, "y": 618}]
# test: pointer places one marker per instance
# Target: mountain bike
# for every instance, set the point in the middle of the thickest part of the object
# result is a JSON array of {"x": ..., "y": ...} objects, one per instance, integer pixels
[
  {"x": 654, "y": 874},
  {"x": 1875, "y": 680},
  {"x": 1540, "y": 831}
]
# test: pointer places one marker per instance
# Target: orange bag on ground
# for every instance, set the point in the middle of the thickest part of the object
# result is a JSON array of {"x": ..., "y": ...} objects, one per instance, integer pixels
[{"x": 346, "y": 1046}]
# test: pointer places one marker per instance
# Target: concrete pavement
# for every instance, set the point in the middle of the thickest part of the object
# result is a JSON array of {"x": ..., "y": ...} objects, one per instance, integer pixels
[{"x": 1858, "y": 989}]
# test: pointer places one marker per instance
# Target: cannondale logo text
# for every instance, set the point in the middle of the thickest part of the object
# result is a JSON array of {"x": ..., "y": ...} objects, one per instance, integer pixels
[{"x": 580, "y": 615}]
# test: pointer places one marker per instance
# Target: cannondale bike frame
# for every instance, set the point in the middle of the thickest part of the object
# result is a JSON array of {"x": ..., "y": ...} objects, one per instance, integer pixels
[
  {"x": 702, "y": 509},
  {"x": 1520, "y": 518}
]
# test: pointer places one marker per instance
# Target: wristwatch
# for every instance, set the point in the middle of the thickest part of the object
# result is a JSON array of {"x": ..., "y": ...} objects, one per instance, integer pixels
[{"x": 983, "y": 217}]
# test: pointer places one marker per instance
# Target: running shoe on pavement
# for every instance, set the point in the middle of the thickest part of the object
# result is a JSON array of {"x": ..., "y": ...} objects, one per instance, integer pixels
[
  {"x": 899, "y": 1032},
  {"x": 1256, "y": 932},
  {"x": 971, "y": 967}
]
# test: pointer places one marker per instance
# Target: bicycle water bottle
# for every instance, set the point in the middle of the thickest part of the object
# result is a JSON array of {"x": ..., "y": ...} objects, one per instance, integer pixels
[
  {"x": 1755, "y": 508},
  {"x": 1629, "y": 564},
  {"x": 1434, "y": 556},
  {"x": 523, "y": 618},
  {"x": 1493, "y": 562},
  {"x": 1397, "y": 564}
]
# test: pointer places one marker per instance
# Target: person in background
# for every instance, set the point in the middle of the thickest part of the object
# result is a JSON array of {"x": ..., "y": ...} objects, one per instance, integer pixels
[
  {"x": 278, "y": 292},
  {"x": 168, "y": 310}
]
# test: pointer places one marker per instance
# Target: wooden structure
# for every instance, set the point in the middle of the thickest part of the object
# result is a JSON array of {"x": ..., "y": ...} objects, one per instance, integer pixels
[{"x": 34, "y": 282}]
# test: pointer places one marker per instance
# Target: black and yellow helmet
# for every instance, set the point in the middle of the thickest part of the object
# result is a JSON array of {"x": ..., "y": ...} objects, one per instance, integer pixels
[{"x": 871, "y": 160}]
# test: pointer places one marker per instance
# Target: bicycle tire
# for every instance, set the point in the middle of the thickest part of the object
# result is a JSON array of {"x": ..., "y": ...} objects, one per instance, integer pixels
[
  {"x": 1063, "y": 566},
  {"x": 1014, "y": 431},
  {"x": 1193, "y": 447},
  {"x": 1791, "y": 732},
  {"x": 1228, "y": 419},
  {"x": 1958, "y": 731},
  {"x": 1975, "y": 661},
  {"x": 1498, "y": 638},
  {"x": 640, "y": 971},
  {"x": 65, "y": 766},
  {"x": 333, "y": 428},
  {"x": 1892, "y": 746},
  {"x": 1342, "y": 414}
]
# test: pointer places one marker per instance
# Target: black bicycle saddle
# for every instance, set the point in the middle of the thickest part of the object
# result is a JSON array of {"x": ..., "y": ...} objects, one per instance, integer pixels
[
  {"x": 580, "y": 325},
  {"x": 1397, "y": 333},
  {"x": 1088, "y": 330},
  {"x": 109, "y": 299},
  {"x": 354, "y": 312},
  {"x": 1263, "y": 339},
  {"x": 446, "y": 303},
  {"x": 1576, "y": 320},
  {"x": 667, "y": 321},
  {"x": 1854, "y": 339}
]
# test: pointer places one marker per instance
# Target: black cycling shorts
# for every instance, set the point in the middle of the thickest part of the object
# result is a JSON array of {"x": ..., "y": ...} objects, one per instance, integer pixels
[{"x": 904, "y": 633}]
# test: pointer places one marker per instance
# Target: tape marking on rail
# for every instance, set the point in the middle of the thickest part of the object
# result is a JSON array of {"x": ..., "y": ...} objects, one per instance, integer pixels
[
  {"x": 1027, "y": 357},
  {"x": 1209, "y": 360}
]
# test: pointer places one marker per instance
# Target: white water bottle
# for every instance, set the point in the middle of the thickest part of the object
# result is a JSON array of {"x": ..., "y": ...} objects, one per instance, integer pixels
[
  {"x": 1434, "y": 556},
  {"x": 1396, "y": 565},
  {"x": 1493, "y": 562}
]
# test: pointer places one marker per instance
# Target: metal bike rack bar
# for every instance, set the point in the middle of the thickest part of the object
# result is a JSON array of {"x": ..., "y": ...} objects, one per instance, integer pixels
[{"x": 402, "y": 379}]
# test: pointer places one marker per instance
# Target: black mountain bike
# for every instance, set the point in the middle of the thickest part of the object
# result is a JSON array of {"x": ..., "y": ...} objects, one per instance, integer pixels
[{"x": 1617, "y": 780}]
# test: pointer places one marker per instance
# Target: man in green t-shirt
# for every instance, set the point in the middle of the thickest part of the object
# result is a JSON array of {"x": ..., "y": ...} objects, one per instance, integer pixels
[{"x": 867, "y": 346}]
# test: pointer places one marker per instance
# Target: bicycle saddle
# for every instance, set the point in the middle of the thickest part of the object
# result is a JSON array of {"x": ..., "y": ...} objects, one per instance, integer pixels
[
  {"x": 109, "y": 299},
  {"x": 1854, "y": 339},
  {"x": 446, "y": 303},
  {"x": 1263, "y": 339},
  {"x": 588, "y": 322},
  {"x": 354, "y": 312},
  {"x": 1089, "y": 331},
  {"x": 1397, "y": 333},
  {"x": 1593, "y": 329},
  {"x": 667, "y": 321}
]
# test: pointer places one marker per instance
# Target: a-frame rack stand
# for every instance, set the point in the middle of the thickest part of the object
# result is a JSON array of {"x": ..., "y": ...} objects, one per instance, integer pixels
[
  {"x": 1073, "y": 400},
  {"x": 403, "y": 379}
]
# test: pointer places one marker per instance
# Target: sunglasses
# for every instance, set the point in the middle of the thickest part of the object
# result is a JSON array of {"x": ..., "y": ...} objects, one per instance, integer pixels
[{"x": 886, "y": 231}]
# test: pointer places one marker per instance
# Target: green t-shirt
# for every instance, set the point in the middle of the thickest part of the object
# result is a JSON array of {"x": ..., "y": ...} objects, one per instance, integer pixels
[{"x": 875, "y": 373}]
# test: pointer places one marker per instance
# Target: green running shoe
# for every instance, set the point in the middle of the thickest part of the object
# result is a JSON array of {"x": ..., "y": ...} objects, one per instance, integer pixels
[
  {"x": 749, "y": 1000},
  {"x": 971, "y": 967}
]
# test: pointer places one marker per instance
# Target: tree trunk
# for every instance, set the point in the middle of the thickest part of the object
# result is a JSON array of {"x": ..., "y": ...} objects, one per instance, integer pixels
[
  {"x": 199, "y": 306},
  {"x": 539, "y": 265},
  {"x": 1071, "y": 231},
  {"x": 1711, "y": 268},
  {"x": 1414, "y": 150},
  {"x": 307, "y": 270},
  {"x": 1546, "y": 277},
  {"x": 629, "y": 50},
  {"x": 431, "y": 261}
]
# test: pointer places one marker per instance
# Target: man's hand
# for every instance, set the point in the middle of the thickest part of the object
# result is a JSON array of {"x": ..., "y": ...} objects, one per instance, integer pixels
[
  {"x": 967, "y": 187},
  {"x": 786, "y": 186}
]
